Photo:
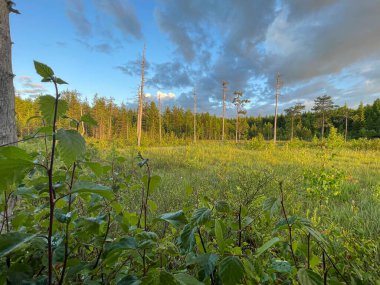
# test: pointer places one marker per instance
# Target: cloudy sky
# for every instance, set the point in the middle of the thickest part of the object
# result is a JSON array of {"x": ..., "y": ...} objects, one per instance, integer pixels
[{"x": 318, "y": 46}]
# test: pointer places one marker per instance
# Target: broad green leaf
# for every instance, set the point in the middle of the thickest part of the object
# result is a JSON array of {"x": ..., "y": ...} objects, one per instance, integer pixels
[
  {"x": 14, "y": 164},
  {"x": 60, "y": 81},
  {"x": 89, "y": 120},
  {"x": 176, "y": 219},
  {"x": 222, "y": 206},
  {"x": 266, "y": 246},
  {"x": 152, "y": 206},
  {"x": 153, "y": 184},
  {"x": 97, "y": 168},
  {"x": 10, "y": 242},
  {"x": 71, "y": 145},
  {"x": 186, "y": 240},
  {"x": 271, "y": 205},
  {"x": 92, "y": 188},
  {"x": 281, "y": 266},
  {"x": 47, "y": 130},
  {"x": 219, "y": 236},
  {"x": 62, "y": 216},
  {"x": 159, "y": 277},
  {"x": 231, "y": 270},
  {"x": 47, "y": 105},
  {"x": 200, "y": 216},
  {"x": 129, "y": 280},
  {"x": 122, "y": 244},
  {"x": 186, "y": 279},
  {"x": 43, "y": 70},
  {"x": 206, "y": 263},
  {"x": 309, "y": 277},
  {"x": 316, "y": 235}
]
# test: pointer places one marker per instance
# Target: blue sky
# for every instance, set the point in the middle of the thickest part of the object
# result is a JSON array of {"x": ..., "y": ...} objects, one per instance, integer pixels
[{"x": 319, "y": 46}]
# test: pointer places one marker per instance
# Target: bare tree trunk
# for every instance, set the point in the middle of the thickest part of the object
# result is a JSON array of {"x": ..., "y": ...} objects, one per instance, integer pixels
[
  {"x": 237, "y": 125},
  {"x": 140, "y": 106},
  {"x": 8, "y": 131},
  {"x": 278, "y": 86},
  {"x": 224, "y": 106},
  {"x": 323, "y": 125},
  {"x": 346, "y": 130},
  {"x": 291, "y": 136},
  {"x": 159, "y": 116},
  {"x": 82, "y": 123},
  {"x": 195, "y": 117}
]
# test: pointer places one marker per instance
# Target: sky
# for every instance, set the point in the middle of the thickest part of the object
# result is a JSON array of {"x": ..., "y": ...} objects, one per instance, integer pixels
[{"x": 317, "y": 46}]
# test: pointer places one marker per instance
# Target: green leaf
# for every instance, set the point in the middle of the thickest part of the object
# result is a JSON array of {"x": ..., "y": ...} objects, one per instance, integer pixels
[
  {"x": 14, "y": 163},
  {"x": 10, "y": 242},
  {"x": 62, "y": 216},
  {"x": 89, "y": 120},
  {"x": 159, "y": 277},
  {"x": 271, "y": 205},
  {"x": 97, "y": 168},
  {"x": 93, "y": 188},
  {"x": 309, "y": 277},
  {"x": 153, "y": 184},
  {"x": 281, "y": 266},
  {"x": 129, "y": 280},
  {"x": 47, "y": 105},
  {"x": 222, "y": 206},
  {"x": 122, "y": 244},
  {"x": 71, "y": 145},
  {"x": 200, "y": 216},
  {"x": 186, "y": 279},
  {"x": 231, "y": 270},
  {"x": 43, "y": 70},
  {"x": 207, "y": 263},
  {"x": 47, "y": 130},
  {"x": 60, "y": 81},
  {"x": 219, "y": 236},
  {"x": 266, "y": 246},
  {"x": 186, "y": 240},
  {"x": 316, "y": 235},
  {"x": 176, "y": 219}
]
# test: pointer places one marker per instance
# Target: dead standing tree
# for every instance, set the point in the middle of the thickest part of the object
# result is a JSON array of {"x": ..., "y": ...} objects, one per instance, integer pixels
[
  {"x": 224, "y": 106},
  {"x": 8, "y": 131},
  {"x": 140, "y": 101},
  {"x": 159, "y": 116},
  {"x": 195, "y": 116},
  {"x": 239, "y": 103},
  {"x": 279, "y": 84}
]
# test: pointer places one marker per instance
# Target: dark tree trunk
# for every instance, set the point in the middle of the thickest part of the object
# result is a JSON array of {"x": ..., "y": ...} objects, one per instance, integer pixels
[{"x": 8, "y": 132}]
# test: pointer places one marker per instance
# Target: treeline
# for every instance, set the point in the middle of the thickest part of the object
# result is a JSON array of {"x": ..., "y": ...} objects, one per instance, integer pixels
[{"x": 119, "y": 122}]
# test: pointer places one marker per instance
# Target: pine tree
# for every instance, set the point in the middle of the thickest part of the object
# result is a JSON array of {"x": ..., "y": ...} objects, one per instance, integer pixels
[
  {"x": 323, "y": 105},
  {"x": 239, "y": 103},
  {"x": 293, "y": 112}
]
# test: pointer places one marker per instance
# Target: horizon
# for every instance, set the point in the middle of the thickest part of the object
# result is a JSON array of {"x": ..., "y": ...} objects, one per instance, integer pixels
[{"x": 96, "y": 47}]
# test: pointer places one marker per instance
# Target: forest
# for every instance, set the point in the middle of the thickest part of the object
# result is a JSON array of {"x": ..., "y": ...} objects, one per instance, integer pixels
[{"x": 120, "y": 122}]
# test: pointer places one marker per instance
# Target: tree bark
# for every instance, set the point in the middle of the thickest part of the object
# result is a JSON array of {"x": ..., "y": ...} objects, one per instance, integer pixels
[{"x": 8, "y": 131}]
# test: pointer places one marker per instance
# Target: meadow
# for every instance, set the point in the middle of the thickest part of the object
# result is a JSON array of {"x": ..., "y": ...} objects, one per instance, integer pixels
[{"x": 210, "y": 212}]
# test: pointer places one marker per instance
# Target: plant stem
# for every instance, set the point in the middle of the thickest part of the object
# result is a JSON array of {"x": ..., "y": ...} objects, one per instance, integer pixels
[
  {"x": 104, "y": 240},
  {"x": 66, "y": 254},
  {"x": 51, "y": 190},
  {"x": 308, "y": 251},
  {"x": 288, "y": 224},
  {"x": 239, "y": 234}
]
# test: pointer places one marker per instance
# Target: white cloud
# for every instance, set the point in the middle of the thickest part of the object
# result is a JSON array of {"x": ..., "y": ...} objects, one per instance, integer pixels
[{"x": 165, "y": 96}]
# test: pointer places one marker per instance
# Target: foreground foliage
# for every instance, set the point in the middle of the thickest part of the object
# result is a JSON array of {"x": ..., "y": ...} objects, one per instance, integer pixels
[{"x": 72, "y": 215}]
